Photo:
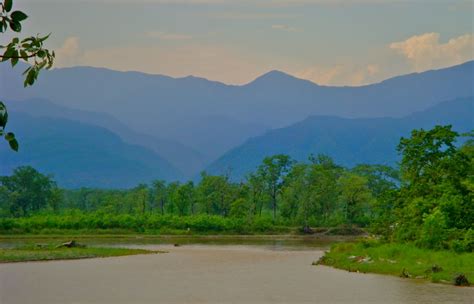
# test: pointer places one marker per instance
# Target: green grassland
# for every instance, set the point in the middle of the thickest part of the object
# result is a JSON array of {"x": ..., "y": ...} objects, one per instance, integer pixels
[
  {"x": 403, "y": 260},
  {"x": 49, "y": 252}
]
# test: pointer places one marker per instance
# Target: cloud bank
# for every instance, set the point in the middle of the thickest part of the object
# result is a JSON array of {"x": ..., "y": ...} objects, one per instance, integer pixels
[{"x": 426, "y": 51}]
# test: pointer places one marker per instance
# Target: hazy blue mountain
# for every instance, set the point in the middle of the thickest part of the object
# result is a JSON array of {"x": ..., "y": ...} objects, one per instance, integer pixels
[
  {"x": 184, "y": 158},
  {"x": 195, "y": 111},
  {"x": 79, "y": 155},
  {"x": 348, "y": 141}
]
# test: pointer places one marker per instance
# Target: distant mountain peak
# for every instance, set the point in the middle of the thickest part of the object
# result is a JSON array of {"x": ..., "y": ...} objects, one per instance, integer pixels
[{"x": 275, "y": 77}]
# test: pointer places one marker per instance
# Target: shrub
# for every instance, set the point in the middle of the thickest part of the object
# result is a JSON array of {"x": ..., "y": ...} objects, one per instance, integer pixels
[
  {"x": 434, "y": 233},
  {"x": 466, "y": 244}
]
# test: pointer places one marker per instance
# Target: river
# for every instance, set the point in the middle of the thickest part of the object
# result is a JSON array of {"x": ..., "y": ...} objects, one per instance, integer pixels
[{"x": 214, "y": 272}]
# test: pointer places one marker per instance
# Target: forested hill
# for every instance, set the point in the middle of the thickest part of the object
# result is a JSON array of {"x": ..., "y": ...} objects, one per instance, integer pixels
[
  {"x": 80, "y": 155},
  {"x": 185, "y": 159},
  {"x": 348, "y": 141}
]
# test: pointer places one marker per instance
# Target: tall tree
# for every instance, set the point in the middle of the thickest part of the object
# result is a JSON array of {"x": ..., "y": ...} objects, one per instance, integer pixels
[
  {"x": 436, "y": 176},
  {"x": 256, "y": 193},
  {"x": 184, "y": 198},
  {"x": 355, "y": 197},
  {"x": 160, "y": 194},
  {"x": 426, "y": 158},
  {"x": 273, "y": 171},
  {"x": 216, "y": 194},
  {"x": 28, "y": 190}
]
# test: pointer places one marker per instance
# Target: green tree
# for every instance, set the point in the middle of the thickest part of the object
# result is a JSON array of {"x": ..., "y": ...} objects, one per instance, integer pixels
[
  {"x": 256, "y": 193},
  {"x": 295, "y": 192},
  {"x": 30, "y": 50},
  {"x": 272, "y": 172},
  {"x": 324, "y": 175},
  {"x": 140, "y": 198},
  {"x": 240, "y": 208},
  {"x": 216, "y": 194},
  {"x": 436, "y": 175},
  {"x": 380, "y": 178},
  {"x": 434, "y": 231},
  {"x": 311, "y": 191},
  {"x": 55, "y": 199},
  {"x": 184, "y": 198},
  {"x": 426, "y": 159},
  {"x": 160, "y": 194},
  {"x": 27, "y": 190},
  {"x": 355, "y": 197},
  {"x": 383, "y": 182}
]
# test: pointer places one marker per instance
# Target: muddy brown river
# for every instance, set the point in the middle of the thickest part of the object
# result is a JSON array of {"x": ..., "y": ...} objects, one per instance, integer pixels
[{"x": 212, "y": 274}]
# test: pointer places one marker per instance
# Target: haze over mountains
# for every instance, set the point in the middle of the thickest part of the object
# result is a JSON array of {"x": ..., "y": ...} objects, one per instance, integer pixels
[
  {"x": 185, "y": 159},
  {"x": 81, "y": 155},
  {"x": 190, "y": 122},
  {"x": 348, "y": 141}
]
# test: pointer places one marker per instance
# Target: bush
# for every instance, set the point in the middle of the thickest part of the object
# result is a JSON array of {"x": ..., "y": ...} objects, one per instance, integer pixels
[
  {"x": 434, "y": 233},
  {"x": 262, "y": 224},
  {"x": 466, "y": 244}
]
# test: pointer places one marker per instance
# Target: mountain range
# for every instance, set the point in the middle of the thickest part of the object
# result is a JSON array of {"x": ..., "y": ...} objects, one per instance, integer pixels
[
  {"x": 212, "y": 118},
  {"x": 190, "y": 124},
  {"x": 81, "y": 155},
  {"x": 183, "y": 158},
  {"x": 348, "y": 141}
]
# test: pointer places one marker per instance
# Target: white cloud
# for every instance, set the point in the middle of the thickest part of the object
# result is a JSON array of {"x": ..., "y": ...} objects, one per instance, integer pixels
[
  {"x": 425, "y": 51},
  {"x": 168, "y": 36},
  {"x": 69, "y": 52}
]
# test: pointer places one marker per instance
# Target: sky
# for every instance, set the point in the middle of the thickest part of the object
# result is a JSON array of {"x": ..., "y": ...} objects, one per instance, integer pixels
[{"x": 330, "y": 42}]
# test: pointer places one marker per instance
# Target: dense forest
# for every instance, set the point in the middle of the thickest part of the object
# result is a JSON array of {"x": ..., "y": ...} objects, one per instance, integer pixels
[{"x": 428, "y": 200}]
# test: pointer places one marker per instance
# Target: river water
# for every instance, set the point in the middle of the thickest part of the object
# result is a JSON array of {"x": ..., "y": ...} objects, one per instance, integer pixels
[{"x": 267, "y": 272}]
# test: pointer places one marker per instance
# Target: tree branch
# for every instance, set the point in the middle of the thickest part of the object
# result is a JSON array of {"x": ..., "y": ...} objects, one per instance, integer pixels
[{"x": 19, "y": 57}]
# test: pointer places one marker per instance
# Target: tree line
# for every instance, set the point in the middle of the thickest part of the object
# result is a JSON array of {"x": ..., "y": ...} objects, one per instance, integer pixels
[{"x": 428, "y": 199}]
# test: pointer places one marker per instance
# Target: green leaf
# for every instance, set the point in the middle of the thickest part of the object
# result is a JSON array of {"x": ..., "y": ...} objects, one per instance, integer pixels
[
  {"x": 26, "y": 71},
  {"x": 41, "y": 53},
  {"x": 24, "y": 55},
  {"x": 14, "y": 60},
  {"x": 28, "y": 39},
  {"x": 7, "y": 5},
  {"x": 8, "y": 54},
  {"x": 15, "y": 26},
  {"x": 44, "y": 38},
  {"x": 31, "y": 77},
  {"x": 18, "y": 16},
  {"x": 13, "y": 144},
  {"x": 3, "y": 115},
  {"x": 3, "y": 119},
  {"x": 3, "y": 25},
  {"x": 9, "y": 136}
]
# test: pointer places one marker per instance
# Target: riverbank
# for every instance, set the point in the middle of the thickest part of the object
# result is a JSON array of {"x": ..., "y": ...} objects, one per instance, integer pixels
[
  {"x": 154, "y": 224},
  {"x": 402, "y": 260},
  {"x": 49, "y": 252}
]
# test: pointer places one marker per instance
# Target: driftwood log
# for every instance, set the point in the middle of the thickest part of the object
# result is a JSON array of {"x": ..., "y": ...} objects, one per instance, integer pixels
[{"x": 70, "y": 244}]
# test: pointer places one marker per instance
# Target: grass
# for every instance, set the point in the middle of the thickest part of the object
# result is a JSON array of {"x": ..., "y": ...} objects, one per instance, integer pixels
[
  {"x": 403, "y": 260},
  {"x": 51, "y": 252}
]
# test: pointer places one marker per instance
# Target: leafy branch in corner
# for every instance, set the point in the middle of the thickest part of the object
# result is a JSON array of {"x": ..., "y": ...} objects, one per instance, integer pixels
[{"x": 30, "y": 50}]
